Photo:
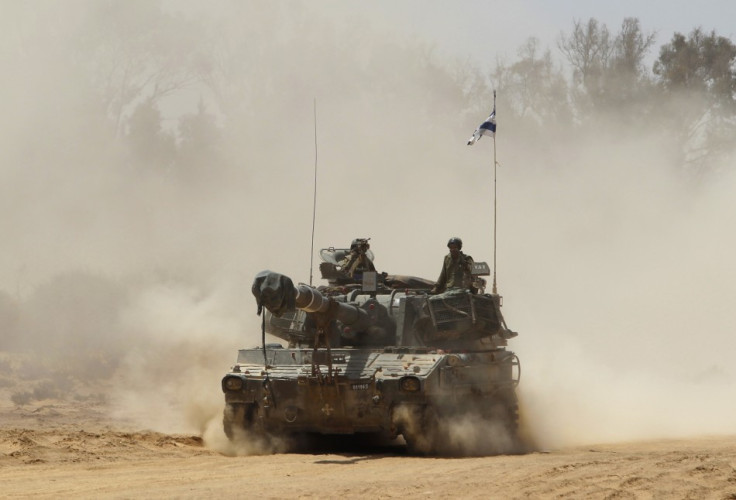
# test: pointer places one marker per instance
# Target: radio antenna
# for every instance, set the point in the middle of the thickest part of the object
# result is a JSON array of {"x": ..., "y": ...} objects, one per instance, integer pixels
[
  {"x": 495, "y": 164},
  {"x": 314, "y": 200}
]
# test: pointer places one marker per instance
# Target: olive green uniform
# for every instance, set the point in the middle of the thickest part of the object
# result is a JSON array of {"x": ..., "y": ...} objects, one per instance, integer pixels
[
  {"x": 455, "y": 273},
  {"x": 356, "y": 262}
]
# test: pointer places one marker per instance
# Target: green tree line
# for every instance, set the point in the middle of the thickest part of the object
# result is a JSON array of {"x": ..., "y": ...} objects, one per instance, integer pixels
[
  {"x": 688, "y": 94},
  {"x": 129, "y": 57}
]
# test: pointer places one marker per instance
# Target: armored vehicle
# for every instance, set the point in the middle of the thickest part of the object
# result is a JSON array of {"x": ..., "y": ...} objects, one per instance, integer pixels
[{"x": 372, "y": 353}]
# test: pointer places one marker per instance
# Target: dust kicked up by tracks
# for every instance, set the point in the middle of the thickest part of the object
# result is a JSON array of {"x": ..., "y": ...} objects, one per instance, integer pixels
[
  {"x": 73, "y": 443},
  {"x": 61, "y": 449}
]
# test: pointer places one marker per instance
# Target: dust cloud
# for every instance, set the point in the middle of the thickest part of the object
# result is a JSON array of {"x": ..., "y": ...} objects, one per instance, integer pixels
[
  {"x": 632, "y": 268},
  {"x": 616, "y": 270}
]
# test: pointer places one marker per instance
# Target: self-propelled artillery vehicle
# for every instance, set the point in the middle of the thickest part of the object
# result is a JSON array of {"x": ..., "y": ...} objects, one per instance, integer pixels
[{"x": 377, "y": 354}]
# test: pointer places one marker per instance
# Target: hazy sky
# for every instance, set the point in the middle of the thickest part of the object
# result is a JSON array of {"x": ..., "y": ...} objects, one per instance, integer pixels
[
  {"x": 473, "y": 26},
  {"x": 485, "y": 31}
]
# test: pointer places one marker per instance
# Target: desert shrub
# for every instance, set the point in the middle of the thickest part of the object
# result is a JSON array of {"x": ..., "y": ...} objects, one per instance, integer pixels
[
  {"x": 46, "y": 389},
  {"x": 21, "y": 398}
]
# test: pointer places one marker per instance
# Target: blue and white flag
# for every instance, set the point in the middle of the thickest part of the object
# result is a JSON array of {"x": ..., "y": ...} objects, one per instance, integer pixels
[{"x": 487, "y": 127}]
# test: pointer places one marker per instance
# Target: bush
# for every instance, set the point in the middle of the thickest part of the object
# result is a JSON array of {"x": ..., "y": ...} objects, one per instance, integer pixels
[
  {"x": 21, "y": 398},
  {"x": 46, "y": 389}
]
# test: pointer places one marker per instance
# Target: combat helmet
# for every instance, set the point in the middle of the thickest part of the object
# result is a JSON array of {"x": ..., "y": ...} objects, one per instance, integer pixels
[
  {"x": 360, "y": 242},
  {"x": 455, "y": 241}
]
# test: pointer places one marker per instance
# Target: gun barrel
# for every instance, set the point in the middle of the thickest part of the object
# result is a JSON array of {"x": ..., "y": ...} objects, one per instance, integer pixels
[
  {"x": 367, "y": 322},
  {"x": 312, "y": 301},
  {"x": 277, "y": 293}
]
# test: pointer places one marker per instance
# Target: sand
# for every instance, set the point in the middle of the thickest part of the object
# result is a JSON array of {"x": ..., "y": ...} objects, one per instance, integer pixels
[{"x": 73, "y": 448}]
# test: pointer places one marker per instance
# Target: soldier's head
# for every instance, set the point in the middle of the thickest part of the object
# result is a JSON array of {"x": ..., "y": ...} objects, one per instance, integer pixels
[
  {"x": 455, "y": 244},
  {"x": 360, "y": 244}
]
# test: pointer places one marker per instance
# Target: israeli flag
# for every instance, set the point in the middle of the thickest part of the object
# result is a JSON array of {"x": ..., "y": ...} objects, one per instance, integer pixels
[{"x": 487, "y": 127}]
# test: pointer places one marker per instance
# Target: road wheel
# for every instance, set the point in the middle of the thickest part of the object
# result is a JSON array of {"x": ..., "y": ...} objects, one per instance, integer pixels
[
  {"x": 421, "y": 430},
  {"x": 503, "y": 417},
  {"x": 237, "y": 416}
]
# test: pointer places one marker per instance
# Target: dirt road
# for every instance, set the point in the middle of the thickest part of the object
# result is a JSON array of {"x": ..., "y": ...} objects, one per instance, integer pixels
[{"x": 65, "y": 450}]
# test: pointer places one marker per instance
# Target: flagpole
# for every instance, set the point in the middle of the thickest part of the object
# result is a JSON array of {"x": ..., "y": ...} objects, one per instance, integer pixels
[
  {"x": 495, "y": 164},
  {"x": 489, "y": 125}
]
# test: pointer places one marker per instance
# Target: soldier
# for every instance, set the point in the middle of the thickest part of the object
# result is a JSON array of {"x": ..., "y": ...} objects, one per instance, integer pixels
[
  {"x": 357, "y": 261},
  {"x": 456, "y": 269}
]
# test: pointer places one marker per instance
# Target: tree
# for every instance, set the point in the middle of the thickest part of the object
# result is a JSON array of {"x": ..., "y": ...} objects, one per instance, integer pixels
[
  {"x": 630, "y": 48},
  {"x": 134, "y": 50},
  {"x": 609, "y": 71},
  {"x": 199, "y": 149},
  {"x": 626, "y": 74},
  {"x": 588, "y": 50},
  {"x": 699, "y": 63},
  {"x": 535, "y": 87},
  {"x": 149, "y": 144},
  {"x": 697, "y": 75}
]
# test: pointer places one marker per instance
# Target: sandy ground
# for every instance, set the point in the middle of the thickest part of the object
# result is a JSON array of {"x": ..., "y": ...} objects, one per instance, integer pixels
[
  {"x": 63, "y": 449},
  {"x": 63, "y": 438}
]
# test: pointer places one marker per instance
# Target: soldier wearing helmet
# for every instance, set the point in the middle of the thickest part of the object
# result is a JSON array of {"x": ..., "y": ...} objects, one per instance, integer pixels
[
  {"x": 357, "y": 261},
  {"x": 456, "y": 269}
]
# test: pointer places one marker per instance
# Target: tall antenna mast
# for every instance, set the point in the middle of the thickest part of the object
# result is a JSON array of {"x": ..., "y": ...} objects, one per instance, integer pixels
[
  {"x": 314, "y": 200},
  {"x": 495, "y": 164}
]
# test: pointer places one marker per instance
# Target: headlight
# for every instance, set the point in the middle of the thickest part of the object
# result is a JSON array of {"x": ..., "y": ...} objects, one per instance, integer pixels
[
  {"x": 233, "y": 383},
  {"x": 409, "y": 384},
  {"x": 454, "y": 360}
]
